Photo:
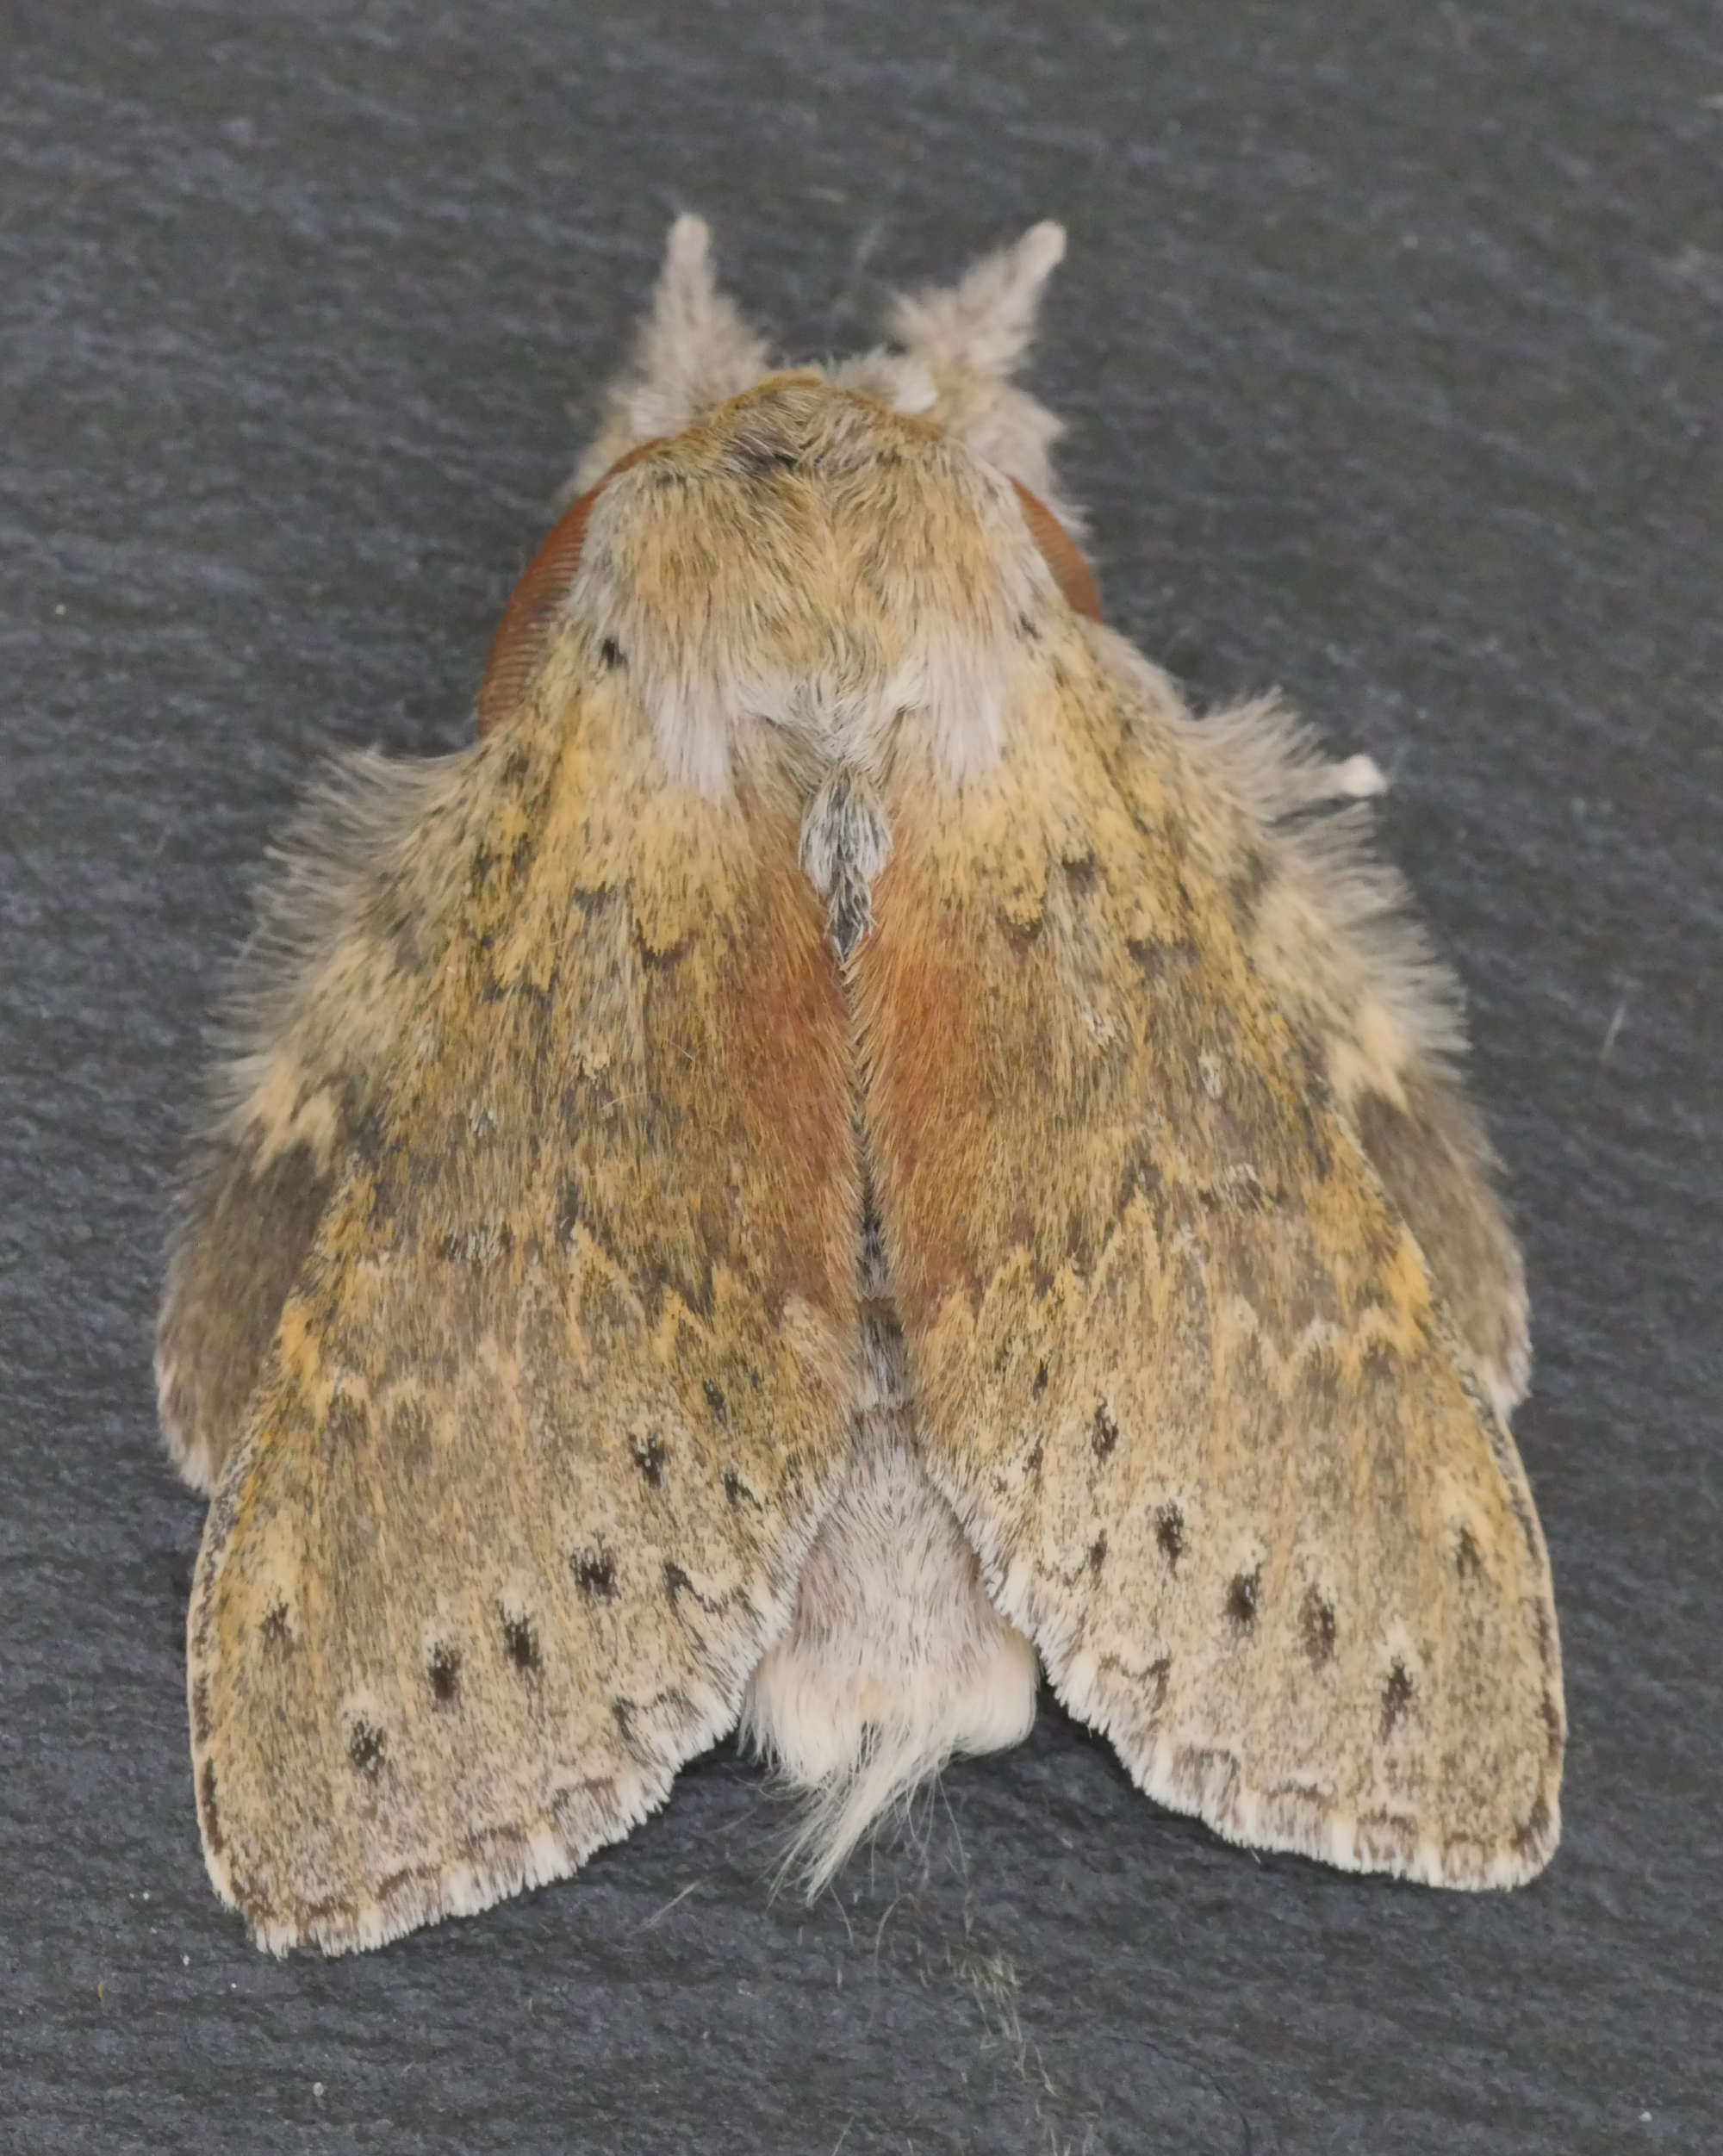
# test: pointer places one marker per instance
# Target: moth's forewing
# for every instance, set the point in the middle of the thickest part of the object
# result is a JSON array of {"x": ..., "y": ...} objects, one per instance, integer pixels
[
  {"x": 556, "y": 1397},
  {"x": 1180, "y": 1365}
]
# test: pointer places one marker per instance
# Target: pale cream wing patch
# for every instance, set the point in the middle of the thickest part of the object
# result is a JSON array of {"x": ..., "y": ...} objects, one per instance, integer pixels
[
  {"x": 554, "y": 1404},
  {"x": 1178, "y": 1362}
]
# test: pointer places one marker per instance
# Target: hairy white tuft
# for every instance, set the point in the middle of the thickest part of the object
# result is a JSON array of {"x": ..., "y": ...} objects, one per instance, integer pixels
[
  {"x": 895, "y": 1658},
  {"x": 898, "y": 379},
  {"x": 696, "y": 348},
  {"x": 872, "y": 1791},
  {"x": 1357, "y": 777},
  {"x": 984, "y": 321}
]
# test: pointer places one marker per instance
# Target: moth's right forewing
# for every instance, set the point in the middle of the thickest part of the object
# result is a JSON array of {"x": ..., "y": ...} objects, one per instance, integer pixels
[
  {"x": 555, "y": 1402},
  {"x": 1181, "y": 1369}
]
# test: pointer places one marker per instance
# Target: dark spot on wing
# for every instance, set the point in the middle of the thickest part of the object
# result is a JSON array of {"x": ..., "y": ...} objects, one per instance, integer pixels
[
  {"x": 1467, "y": 1561},
  {"x": 610, "y": 655},
  {"x": 275, "y": 1632},
  {"x": 1162, "y": 964},
  {"x": 1241, "y": 1598},
  {"x": 1169, "y": 1532},
  {"x": 649, "y": 1456},
  {"x": 655, "y": 960},
  {"x": 1098, "y": 1555},
  {"x": 1106, "y": 1431},
  {"x": 1317, "y": 1623},
  {"x": 1039, "y": 1385},
  {"x": 365, "y": 1748},
  {"x": 594, "y": 1574},
  {"x": 1396, "y": 1697},
  {"x": 716, "y": 1400},
  {"x": 677, "y": 1583},
  {"x": 443, "y": 1670},
  {"x": 1080, "y": 873},
  {"x": 520, "y": 1643},
  {"x": 737, "y": 1490}
]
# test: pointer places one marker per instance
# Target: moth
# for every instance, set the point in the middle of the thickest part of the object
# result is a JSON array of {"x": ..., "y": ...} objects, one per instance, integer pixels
[{"x": 848, "y": 1152}]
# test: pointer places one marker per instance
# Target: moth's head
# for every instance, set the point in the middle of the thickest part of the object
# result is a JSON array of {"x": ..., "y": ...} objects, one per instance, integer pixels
[
  {"x": 820, "y": 556},
  {"x": 954, "y": 352}
]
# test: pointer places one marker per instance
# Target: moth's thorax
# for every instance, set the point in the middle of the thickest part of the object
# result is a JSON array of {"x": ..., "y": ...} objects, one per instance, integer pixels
[{"x": 802, "y": 573}]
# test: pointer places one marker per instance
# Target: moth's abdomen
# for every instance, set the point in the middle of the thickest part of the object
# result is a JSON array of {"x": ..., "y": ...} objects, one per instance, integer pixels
[{"x": 895, "y": 1658}]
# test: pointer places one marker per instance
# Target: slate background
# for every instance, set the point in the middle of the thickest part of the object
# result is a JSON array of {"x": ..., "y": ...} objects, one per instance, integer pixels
[{"x": 1390, "y": 343}]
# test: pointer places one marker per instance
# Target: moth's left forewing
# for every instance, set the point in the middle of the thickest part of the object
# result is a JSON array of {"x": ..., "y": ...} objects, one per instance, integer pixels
[{"x": 1182, "y": 1372}]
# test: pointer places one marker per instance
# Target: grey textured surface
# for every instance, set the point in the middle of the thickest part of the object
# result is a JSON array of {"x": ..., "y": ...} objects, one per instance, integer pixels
[{"x": 1390, "y": 340}]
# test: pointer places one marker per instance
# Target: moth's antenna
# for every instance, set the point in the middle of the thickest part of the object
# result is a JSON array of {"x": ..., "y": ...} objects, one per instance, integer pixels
[
  {"x": 985, "y": 320},
  {"x": 686, "y": 298},
  {"x": 696, "y": 347}
]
